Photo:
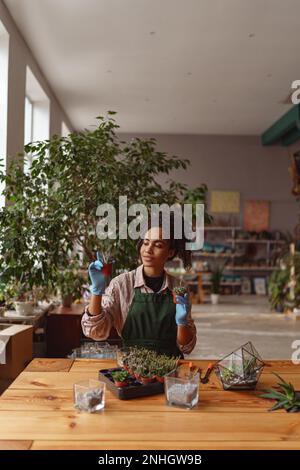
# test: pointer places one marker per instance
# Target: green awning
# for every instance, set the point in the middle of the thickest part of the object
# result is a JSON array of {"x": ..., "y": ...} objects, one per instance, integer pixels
[{"x": 286, "y": 130}]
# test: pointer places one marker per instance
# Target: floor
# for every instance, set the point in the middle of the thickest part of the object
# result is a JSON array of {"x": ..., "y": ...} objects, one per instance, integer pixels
[{"x": 237, "y": 319}]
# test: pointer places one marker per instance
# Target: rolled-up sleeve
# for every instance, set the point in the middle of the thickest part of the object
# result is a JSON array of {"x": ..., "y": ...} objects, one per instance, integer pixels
[{"x": 98, "y": 327}]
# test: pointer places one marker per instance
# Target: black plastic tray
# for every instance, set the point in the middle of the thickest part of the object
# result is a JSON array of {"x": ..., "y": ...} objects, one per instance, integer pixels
[{"x": 135, "y": 389}]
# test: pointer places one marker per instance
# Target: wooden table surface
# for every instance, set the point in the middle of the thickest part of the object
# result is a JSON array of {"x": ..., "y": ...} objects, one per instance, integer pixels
[{"x": 36, "y": 412}]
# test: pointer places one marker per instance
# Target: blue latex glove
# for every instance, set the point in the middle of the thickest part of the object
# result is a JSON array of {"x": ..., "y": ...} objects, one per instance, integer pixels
[
  {"x": 96, "y": 275},
  {"x": 183, "y": 308}
]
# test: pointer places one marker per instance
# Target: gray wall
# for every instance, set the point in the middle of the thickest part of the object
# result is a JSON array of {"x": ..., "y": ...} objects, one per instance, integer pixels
[{"x": 236, "y": 163}]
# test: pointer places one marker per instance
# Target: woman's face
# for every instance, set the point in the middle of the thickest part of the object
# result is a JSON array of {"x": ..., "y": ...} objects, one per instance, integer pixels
[{"x": 155, "y": 250}]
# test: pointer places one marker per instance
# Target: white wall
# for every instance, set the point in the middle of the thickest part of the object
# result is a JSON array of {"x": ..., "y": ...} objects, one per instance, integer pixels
[{"x": 20, "y": 57}]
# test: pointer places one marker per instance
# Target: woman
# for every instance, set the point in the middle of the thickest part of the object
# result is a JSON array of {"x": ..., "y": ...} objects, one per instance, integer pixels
[{"x": 139, "y": 303}]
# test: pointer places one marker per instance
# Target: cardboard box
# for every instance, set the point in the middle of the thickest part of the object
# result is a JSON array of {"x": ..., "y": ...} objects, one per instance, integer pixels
[{"x": 19, "y": 349}]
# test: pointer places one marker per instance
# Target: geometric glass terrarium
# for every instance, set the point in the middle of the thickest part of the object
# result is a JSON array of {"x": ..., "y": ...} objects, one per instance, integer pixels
[{"x": 241, "y": 369}]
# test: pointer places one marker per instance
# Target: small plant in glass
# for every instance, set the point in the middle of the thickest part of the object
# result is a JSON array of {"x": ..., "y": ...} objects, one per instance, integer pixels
[{"x": 241, "y": 369}]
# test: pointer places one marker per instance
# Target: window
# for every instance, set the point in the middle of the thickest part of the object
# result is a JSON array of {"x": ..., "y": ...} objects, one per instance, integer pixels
[
  {"x": 65, "y": 131},
  {"x": 28, "y": 131},
  {"x": 4, "y": 40},
  {"x": 37, "y": 114}
]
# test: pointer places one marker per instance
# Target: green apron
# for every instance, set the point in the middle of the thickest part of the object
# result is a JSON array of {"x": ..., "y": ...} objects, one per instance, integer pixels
[{"x": 151, "y": 324}]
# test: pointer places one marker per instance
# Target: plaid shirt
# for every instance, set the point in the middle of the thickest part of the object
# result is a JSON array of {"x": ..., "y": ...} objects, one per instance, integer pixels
[{"x": 116, "y": 302}]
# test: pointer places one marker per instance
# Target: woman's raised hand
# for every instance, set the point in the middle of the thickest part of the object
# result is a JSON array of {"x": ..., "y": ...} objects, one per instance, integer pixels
[{"x": 97, "y": 276}]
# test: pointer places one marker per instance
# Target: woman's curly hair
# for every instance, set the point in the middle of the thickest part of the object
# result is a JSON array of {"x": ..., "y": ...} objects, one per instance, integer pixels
[{"x": 176, "y": 244}]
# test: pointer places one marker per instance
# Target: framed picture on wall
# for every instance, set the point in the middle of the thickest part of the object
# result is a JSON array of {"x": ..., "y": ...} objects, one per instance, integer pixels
[
  {"x": 225, "y": 202},
  {"x": 256, "y": 216}
]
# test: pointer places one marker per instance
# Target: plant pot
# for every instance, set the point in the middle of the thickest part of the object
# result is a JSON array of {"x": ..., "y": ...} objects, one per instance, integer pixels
[
  {"x": 214, "y": 299},
  {"x": 67, "y": 300},
  {"x": 24, "y": 308},
  {"x": 121, "y": 384},
  {"x": 160, "y": 379},
  {"x": 107, "y": 269},
  {"x": 147, "y": 380}
]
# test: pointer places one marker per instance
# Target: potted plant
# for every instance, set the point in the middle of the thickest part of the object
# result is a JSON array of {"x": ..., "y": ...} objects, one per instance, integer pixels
[
  {"x": 24, "y": 304},
  {"x": 278, "y": 288},
  {"x": 164, "y": 365},
  {"x": 20, "y": 296},
  {"x": 146, "y": 374},
  {"x": 280, "y": 283},
  {"x": 28, "y": 239},
  {"x": 147, "y": 365},
  {"x": 144, "y": 369},
  {"x": 180, "y": 290},
  {"x": 50, "y": 215},
  {"x": 121, "y": 378}
]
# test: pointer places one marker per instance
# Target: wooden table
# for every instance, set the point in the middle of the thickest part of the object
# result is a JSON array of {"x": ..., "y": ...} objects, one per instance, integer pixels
[{"x": 36, "y": 412}]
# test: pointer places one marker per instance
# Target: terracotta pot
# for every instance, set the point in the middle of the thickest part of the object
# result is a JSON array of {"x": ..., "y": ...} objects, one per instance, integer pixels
[
  {"x": 107, "y": 269},
  {"x": 160, "y": 379},
  {"x": 137, "y": 376},
  {"x": 147, "y": 380},
  {"x": 67, "y": 300},
  {"x": 121, "y": 384}
]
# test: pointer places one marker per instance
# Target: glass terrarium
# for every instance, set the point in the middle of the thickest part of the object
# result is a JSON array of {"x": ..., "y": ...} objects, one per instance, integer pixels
[{"x": 241, "y": 369}]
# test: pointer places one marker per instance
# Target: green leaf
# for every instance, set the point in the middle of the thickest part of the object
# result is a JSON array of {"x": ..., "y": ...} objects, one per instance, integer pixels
[
  {"x": 273, "y": 394},
  {"x": 277, "y": 406}
]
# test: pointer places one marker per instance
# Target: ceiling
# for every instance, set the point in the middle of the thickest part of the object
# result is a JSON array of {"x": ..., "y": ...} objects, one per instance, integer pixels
[{"x": 171, "y": 66}]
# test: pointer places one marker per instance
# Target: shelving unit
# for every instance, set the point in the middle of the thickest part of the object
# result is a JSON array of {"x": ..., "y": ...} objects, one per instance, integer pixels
[
  {"x": 233, "y": 268},
  {"x": 233, "y": 257},
  {"x": 250, "y": 240},
  {"x": 218, "y": 255},
  {"x": 251, "y": 268}
]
